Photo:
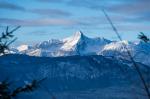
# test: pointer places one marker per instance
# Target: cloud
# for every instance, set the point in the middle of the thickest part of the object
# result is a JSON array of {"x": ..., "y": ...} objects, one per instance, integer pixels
[
  {"x": 85, "y": 3},
  {"x": 51, "y": 1},
  {"x": 37, "y": 22},
  {"x": 131, "y": 27},
  {"x": 94, "y": 5},
  {"x": 83, "y": 21},
  {"x": 120, "y": 11},
  {"x": 39, "y": 11},
  {"x": 113, "y": 5},
  {"x": 10, "y": 6},
  {"x": 134, "y": 10},
  {"x": 40, "y": 33},
  {"x": 129, "y": 8},
  {"x": 51, "y": 12}
]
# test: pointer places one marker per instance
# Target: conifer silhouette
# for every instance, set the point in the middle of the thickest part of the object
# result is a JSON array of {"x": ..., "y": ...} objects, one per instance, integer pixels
[
  {"x": 5, "y": 91},
  {"x": 143, "y": 37},
  {"x": 6, "y": 39}
]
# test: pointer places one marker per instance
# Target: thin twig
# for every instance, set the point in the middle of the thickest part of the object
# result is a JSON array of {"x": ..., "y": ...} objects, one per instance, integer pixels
[{"x": 129, "y": 54}]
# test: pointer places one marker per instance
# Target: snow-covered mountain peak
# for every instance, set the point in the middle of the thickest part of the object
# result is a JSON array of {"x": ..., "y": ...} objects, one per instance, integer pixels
[
  {"x": 125, "y": 42},
  {"x": 77, "y": 44},
  {"x": 49, "y": 43},
  {"x": 23, "y": 48},
  {"x": 71, "y": 42},
  {"x": 80, "y": 44},
  {"x": 78, "y": 34},
  {"x": 76, "y": 37},
  {"x": 117, "y": 46}
]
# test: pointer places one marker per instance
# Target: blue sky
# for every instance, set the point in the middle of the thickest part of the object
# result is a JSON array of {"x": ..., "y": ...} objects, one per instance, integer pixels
[{"x": 46, "y": 19}]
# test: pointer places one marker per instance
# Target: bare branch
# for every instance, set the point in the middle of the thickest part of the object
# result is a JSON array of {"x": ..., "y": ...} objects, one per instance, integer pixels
[{"x": 129, "y": 54}]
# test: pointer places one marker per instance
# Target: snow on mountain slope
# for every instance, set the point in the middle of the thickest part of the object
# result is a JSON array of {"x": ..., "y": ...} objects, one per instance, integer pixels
[
  {"x": 71, "y": 42},
  {"x": 139, "y": 50},
  {"x": 78, "y": 44},
  {"x": 116, "y": 48},
  {"x": 23, "y": 48},
  {"x": 83, "y": 45},
  {"x": 83, "y": 77}
]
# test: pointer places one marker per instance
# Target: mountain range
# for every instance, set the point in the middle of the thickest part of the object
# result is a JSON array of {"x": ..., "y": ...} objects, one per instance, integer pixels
[
  {"x": 78, "y": 67},
  {"x": 79, "y": 44}
]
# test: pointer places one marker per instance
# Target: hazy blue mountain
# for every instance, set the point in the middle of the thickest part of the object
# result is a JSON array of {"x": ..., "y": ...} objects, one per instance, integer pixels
[{"x": 71, "y": 77}]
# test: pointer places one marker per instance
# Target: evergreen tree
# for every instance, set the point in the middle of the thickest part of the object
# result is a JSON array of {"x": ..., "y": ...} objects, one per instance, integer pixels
[
  {"x": 143, "y": 37},
  {"x": 6, "y": 39}
]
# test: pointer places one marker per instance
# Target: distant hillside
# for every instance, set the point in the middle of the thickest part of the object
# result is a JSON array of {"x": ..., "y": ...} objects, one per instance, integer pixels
[{"x": 85, "y": 77}]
